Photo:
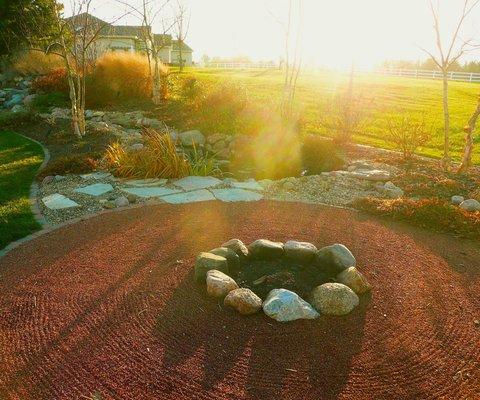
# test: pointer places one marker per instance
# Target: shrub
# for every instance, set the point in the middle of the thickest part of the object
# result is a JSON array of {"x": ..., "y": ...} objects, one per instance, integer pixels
[
  {"x": 54, "y": 81},
  {"x": 407, "y": 135},
  {"x": 272, "y": 154},
  {"x": 8, "y": 118},
  {"x": 71, "y": 164},
  {"x": 43, "y": 102},
  {"x": 119, "y": 76},
  {"x": 435, "y": 214},
  {"x": 320, "y": 155},
  {"x": 344, "y": 115},
  {"x": 36, "y": 63},
  {"x": 158, "y": 159}
]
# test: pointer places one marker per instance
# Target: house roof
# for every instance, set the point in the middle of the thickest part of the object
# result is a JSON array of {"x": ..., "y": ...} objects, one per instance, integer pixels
[
  {"x": 162, "y": 39},
  {"x": 185, "y": 47},
  {"x": 107, "y": 29}
]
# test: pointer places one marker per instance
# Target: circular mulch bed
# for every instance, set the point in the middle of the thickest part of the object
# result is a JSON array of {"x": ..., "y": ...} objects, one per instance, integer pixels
[{"x": 107, "y": 308}]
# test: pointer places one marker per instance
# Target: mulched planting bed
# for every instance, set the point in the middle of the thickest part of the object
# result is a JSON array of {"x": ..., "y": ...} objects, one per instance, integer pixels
[{"x": 107, "y": 308}]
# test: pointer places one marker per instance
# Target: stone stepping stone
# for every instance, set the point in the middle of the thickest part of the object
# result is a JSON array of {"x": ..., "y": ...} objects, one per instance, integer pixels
[
  {"x": 146, "y": 182},
  {"x": 97, "y": 189},
  {"x": 189, "y": 197},
  {"x": 231, "y": 195},
  {"x": 148, "y": 192},
  {"x": 249, "y": 185},
  {"x": 58, "y": 201},
  {"x": 197, "y": 182},
  {"x": 97, "y": 175}
]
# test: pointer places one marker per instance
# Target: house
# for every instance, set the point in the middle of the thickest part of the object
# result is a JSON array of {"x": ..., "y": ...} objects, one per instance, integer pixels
[{"x": 132, "y": 39}]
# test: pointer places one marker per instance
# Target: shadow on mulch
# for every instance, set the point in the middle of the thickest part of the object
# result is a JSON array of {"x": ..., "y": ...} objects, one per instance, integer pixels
[{"x": 275, "y": 352}]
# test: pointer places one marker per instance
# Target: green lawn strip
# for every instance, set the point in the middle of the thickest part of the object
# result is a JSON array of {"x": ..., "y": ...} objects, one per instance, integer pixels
[
  {"x": 383, "y": 96},
  {"x": 20, "y": 159}
]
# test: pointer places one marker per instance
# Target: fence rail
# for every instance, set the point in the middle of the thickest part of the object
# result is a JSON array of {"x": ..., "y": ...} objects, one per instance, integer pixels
[
  {"x": 262, "y": 65},
  {"x": 407, "y": 73},
  {"x": 427, "y": 74}
]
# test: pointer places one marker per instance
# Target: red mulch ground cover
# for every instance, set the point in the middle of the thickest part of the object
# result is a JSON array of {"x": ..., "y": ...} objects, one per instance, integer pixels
[{"x": 107, "y": 308}]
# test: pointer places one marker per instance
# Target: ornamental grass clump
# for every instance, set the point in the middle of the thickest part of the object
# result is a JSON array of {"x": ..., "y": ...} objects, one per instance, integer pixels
[{"x": 157, "y": 159}]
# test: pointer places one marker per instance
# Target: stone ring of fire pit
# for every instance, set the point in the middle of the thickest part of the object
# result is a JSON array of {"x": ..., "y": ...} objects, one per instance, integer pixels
[{"x": 277, "y": 277}]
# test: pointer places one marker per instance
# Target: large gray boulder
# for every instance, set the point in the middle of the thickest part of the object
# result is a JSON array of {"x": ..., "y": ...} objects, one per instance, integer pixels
[
  {"x": 300, "y": 251},
  {"x": 192, "y": 138},
  {"x": 392, "y": 191},
  {"x": 244, "y": 301},
  {"x": 16, "y": 99},
  {"x": 263, "y": 249},
  {"x": 334, "y": 299},
  {"x": 206, "y": 262},
  {"x": 457, "y": 200},
  {"x": 352, "y": 278},
  {"x": 470, "y": 205},
  {"x": 283, "y": 305},
  {"x": 219, "y": 284},
  {"x": 238, "y": 247},
  {"x": 335, "y": 258},
  {"x": 233, "y": 260}
]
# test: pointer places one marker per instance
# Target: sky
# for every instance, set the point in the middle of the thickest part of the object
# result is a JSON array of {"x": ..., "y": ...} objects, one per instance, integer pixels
[{"x": 333, "y": 33}]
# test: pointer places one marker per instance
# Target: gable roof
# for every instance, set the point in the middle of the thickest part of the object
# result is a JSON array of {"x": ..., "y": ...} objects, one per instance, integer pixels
[
  {"x": 176, "y": 46},
  {"x": 162, "y": 39},
  {"x": 106, "y": 29}
]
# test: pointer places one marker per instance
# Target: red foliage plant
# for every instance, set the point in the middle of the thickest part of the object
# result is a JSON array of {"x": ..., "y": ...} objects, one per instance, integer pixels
[{"x": 53, "y": 81}]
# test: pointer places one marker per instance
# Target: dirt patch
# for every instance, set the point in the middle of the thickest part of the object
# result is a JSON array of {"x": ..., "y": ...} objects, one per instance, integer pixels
[{"x": 108, "y": 307}]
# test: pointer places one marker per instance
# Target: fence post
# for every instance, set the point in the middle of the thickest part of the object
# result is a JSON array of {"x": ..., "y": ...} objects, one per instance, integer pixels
[{"x": 471, "y": 77}]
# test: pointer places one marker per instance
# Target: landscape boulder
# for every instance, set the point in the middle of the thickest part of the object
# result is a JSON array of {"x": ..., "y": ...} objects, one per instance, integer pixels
[
  {"x": 233, "y": 259},
  {"x": 244, "y": 301},
  {"x": 219, "y": 284},
  {"x": 300, "y": 251},
  {"x": 121, "y": 201},
  {"x": 283, "y": 305},
  {"x": 192, "y": 138},
  {"x": 238, "y": 247},
  {"x": 335, "y": 258},
  {"x": 334, "y": 299},
  {"x": 352, "y": 278},
  {"x": 28, "y": 100},
  {"x": 392, "y": 191},
  {"x": 206, "y": 262},
  {"x": 457, "y": 200},
  {"x": 470, "y": 205},
  {"x": 263, "y": 249}
]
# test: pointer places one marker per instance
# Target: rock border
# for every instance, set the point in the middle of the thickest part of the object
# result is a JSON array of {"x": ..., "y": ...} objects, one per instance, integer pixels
[{"x": 335, "y": 293}]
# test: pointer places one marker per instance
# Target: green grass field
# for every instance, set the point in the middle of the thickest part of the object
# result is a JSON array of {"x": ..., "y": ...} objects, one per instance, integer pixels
[
  {"x": 19, "y": 161},
  {"x": 383, "y": 96}
]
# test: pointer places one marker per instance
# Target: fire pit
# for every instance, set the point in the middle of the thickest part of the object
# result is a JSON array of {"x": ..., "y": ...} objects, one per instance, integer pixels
[{"x": 292, "y": 280}]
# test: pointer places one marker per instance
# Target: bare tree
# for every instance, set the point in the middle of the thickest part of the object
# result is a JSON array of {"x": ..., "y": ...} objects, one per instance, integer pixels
[
  {"x": 469, "y": 129},
  {"x": 182, "y": 24},
  {"x": 448, "y": 55},
  {"x": 149, "y": 12},
  {"x": 292, "y": 61},
  {"x": 75, "y": 45}
]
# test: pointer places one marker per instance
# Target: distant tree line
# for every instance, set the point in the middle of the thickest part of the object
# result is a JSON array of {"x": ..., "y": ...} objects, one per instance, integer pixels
[{"x": 429, "y": 64}]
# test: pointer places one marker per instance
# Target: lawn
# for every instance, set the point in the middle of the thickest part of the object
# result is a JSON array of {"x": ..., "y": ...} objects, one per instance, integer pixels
[
  {"x": 20, "y": 159},
  {"x": 382, "y": 96}
]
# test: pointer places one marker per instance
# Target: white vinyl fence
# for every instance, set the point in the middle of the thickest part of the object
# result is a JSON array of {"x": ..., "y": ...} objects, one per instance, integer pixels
[
  {"x": 426, "y": 74},
  {"x": 407, "y": 73},
  {"x": 261, "y": 65}
]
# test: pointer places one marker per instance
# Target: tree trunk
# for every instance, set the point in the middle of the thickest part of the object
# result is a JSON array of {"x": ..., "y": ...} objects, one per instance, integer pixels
[
  {"x": 157, "y": 84},
  {"x": 446, "y": 116},
  {"x": 468, "y": 150}
]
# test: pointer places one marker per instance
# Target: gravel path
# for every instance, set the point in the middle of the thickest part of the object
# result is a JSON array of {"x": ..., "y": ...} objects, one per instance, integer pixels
[{"x": 106, "y": 307}]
